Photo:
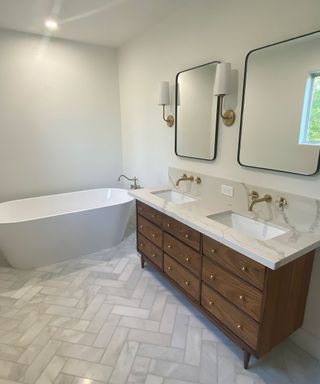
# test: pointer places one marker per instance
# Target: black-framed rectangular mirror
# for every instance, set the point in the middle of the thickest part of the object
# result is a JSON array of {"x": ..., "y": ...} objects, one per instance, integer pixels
[
  {"x": 280, "y": 117},
  {"x": 196, "y": 113}
]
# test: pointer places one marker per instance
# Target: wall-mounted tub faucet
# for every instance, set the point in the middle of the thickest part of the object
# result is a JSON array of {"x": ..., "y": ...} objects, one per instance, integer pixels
[{"x": 134, "y": 179}]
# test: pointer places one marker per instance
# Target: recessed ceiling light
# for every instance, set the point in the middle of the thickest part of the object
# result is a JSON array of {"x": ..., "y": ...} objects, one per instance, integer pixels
[{"x": 51, "y": 24}]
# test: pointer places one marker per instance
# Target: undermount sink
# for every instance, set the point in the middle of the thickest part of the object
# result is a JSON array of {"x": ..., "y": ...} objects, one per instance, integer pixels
[
  {"x": 247, "y": 226},
  {"x": 174, "y": 196}
]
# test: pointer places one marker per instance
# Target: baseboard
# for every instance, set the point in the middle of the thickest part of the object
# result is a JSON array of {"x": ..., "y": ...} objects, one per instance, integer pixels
[{"x": 308, "y": 342}]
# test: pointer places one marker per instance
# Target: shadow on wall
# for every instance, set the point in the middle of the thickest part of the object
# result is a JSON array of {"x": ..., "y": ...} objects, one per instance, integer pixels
[{"x": 3, "y": 261}]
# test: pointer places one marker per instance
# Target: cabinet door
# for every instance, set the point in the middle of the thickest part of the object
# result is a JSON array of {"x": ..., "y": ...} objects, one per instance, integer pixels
[
  {"x": 185, "y": 255},
  {"x": 152, "y": 252},
  {"x": 150, "y": 231},
  {"x": 182, "y": 232},
  {"x": 247, "y": 269},
  {"x": 240, "y": 293},
  {"x": 238, "y": 323},
  {"x": 149, "y": 213},
  {"x": 186, "y": 280}
]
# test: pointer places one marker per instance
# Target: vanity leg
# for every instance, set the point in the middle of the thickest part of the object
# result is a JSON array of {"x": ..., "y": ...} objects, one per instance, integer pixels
[
  {"x": 246, "y": 358},
  {"x": 142, "y": 261}
]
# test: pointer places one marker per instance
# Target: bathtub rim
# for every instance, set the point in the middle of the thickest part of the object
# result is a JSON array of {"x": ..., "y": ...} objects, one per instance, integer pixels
[{"x": 129, "y": 200}]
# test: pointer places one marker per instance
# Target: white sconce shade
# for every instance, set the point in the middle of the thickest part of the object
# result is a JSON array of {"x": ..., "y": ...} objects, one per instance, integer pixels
[
  {"x": 164, "y": 96},
  {"x": 222, "y": 84},
  {"x": 164, "y": 99}
]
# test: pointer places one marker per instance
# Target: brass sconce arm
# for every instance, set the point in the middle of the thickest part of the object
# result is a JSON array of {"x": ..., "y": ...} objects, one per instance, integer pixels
[
  {"x": 228, "y": 116},
  {"x": 169, "y": 119}
]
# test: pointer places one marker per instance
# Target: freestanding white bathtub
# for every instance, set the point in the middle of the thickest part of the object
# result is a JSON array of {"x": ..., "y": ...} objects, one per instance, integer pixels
[{"x": 48, "y": 229}]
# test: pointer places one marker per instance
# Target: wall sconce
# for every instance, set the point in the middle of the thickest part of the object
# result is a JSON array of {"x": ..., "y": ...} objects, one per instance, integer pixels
[
  {"x": 164, "y": 99},
  {"x": 222, "y": 87}
]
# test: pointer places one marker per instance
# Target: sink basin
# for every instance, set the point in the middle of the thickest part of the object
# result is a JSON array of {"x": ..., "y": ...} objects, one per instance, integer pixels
[
  {"x": 173, "y": 196},
  {"x": 247, "y": 226}
]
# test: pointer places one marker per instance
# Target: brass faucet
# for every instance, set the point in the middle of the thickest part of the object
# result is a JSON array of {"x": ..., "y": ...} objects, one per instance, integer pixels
[
  {"x": 256, "y": 200},
  {"x": 184, "y": 177},
  {"x": 134, "y": 179}
]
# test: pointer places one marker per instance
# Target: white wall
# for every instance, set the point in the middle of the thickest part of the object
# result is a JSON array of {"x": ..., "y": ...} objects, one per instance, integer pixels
[
  {"x": 59, "y": 116},
  {"x": 209, "y": 30}
]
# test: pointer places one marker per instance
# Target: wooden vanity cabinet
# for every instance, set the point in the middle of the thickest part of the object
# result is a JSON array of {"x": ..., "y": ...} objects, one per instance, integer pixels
[{"x": 253, "y": 305}]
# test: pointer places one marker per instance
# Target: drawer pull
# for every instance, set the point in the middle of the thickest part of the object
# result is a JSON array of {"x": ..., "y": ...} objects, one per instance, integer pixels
[
  {"x": 141, "y": 226},
  {"x": 169, "y": 246},
  {"x": 153, "y": 255},
  {"x": 244, "y": 268},
  {"x": 186, "y": 236},
  {"x": 186, "y": 282},
  {"x": 210, "y": 302},
  {"x": 187, "y": 259},
  {"x": 241, "y": 297},
  {"x": 153, "y": 235},
  {"x": 168, "y": 225},
  {"x": 153, "y": 216},
  {"x": 213, "y": 251},
  {"x": 169, "y": 268},
  {"x": 141, "y": 245},
  {"x": 212, "y": 277},
  {"x": 140, "y": 208},
  {"x": 239, "y": 326}
]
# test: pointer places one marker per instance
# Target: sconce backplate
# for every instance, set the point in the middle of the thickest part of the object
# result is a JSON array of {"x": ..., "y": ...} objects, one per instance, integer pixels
[
  {"x": 170, "y": 120},
  {"x": 228, "y": 118}
]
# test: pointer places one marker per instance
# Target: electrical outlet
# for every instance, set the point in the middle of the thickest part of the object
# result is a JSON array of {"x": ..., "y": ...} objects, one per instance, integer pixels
[{"x": 227, "y": 190}]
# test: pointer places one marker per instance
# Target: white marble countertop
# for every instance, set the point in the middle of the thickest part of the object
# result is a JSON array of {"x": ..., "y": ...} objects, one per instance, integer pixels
[{"x": 272, "y": 253}]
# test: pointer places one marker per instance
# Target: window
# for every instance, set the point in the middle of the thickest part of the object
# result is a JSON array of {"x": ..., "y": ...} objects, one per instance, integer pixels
[{"x": 310, "y": 122}]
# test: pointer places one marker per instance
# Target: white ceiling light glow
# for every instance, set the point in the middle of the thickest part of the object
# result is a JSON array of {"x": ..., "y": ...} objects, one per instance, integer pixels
[{"x": 51, "y": 24}]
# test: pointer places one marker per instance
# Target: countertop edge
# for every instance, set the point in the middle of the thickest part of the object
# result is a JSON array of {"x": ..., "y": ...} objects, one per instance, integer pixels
[{"x": 258, "y": 258}]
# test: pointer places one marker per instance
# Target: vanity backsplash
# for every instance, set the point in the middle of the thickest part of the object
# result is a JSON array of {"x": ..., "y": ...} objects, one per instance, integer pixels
[{"x": 302, "y": 214}]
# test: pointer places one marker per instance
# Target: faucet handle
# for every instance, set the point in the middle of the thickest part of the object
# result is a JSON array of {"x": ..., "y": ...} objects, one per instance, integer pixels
[
  {"x": 254, "y": 195},
  {"x": 282, "y": 203}
]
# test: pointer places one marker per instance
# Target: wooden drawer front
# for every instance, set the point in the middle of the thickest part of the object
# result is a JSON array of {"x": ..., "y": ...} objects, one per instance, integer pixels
[
  {"x": 238, "y": 322},
  {"x": 150, "y": 250},
  {"x": 182, "y": 253},
  {"x": 181, "y": 276},
  {"x": 149, "y": 213},
  {"x": 181, "y": 231},
  {"x": 150, "y": 231},
  {"x": 243, "y": 295},
  {"x": 239, "y": 264}
]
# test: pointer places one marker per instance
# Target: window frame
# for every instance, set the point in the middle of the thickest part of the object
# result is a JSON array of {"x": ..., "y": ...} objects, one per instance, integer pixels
[{"x": 307, "y": 108}]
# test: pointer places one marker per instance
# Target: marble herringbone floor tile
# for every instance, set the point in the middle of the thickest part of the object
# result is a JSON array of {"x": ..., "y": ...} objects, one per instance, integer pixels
[{"x": 101, "y": 319}]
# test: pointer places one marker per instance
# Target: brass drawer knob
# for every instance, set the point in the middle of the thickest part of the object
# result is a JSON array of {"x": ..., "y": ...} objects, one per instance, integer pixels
[
  {"x": 244, "y": 268},
  {"x": 210, "y": 302},
  {"x": 186, "y": 282},
  {"x": 213, "y": 251},
  {"x": 141, "y": 245},
  {"x": 169, "y": 268},
  {"x": 169, "y": 246},
  {"x": 212, "y": 277},
  {"x": 153, "y": 235},
  {"x": 187, "y": 259},
  {"x": 168, "y": 225},
  {"x": 239, "y": 326},
  {"x": 141, "y": 226},
  {"x": 153, "y": 255},
  {"x": 186, "y": 236},
  {"x": 241, "y": 297}
]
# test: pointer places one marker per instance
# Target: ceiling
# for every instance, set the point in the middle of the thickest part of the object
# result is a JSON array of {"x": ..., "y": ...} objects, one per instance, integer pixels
[{"x": 105, "y": 22}]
